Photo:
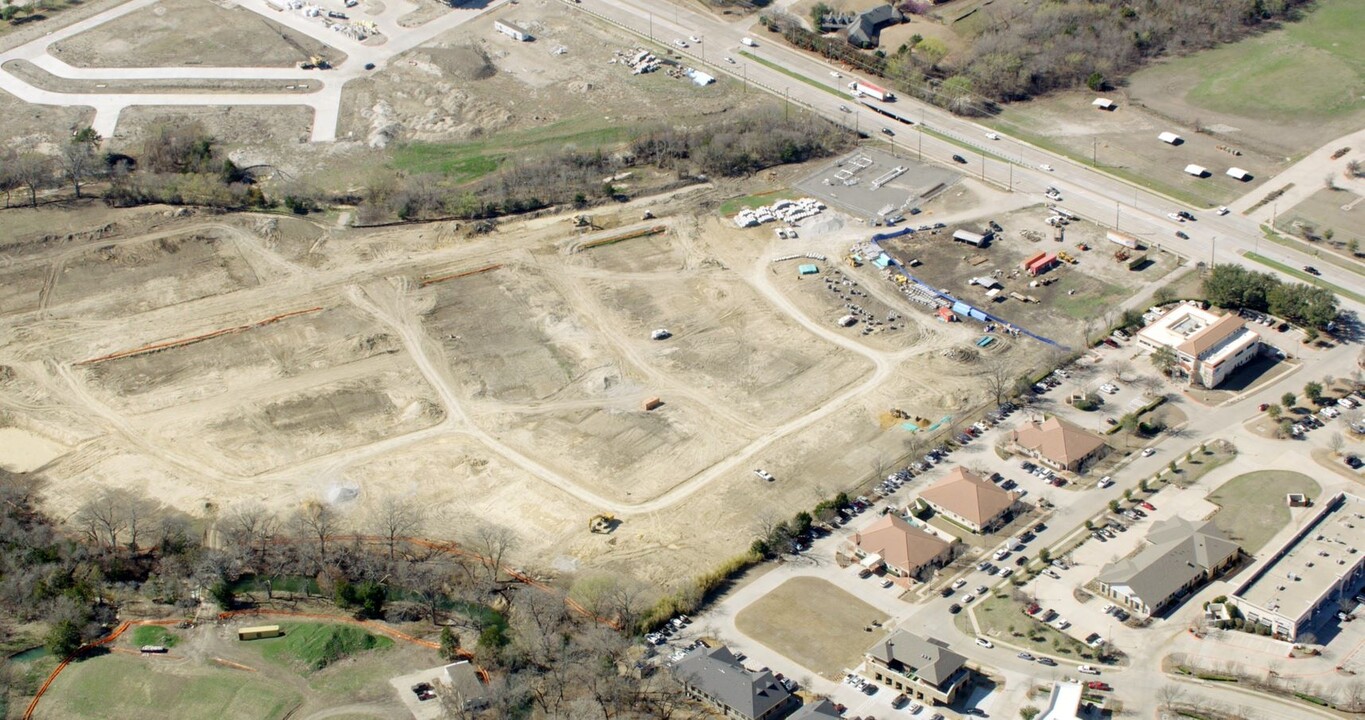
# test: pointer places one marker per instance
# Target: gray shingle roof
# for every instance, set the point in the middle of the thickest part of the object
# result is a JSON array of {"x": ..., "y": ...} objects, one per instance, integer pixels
[
  {"x": 928, "y": 659},
  {"x": 822, "y": 710},
  {"x": 1180, "y": 550},
  {"x": 866, "y": 29},
  {"x": 717, "y": 673}
]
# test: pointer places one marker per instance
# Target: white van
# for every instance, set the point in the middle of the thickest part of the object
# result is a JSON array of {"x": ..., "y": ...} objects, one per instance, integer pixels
[{"x": 749, "y": 41}]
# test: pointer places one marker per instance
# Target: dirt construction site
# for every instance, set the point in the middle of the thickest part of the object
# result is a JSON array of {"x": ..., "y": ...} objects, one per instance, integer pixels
[{"x": 504, "y": 378}]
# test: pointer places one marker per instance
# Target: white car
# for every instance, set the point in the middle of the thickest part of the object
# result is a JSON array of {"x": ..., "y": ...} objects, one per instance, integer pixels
[
  {"x": 1001, "y": 554},
  {"x": 887, "y": 583},
  {"x": 1045, "y": 167},
  {"x": 1006, "y": 572},
  {"x": 1222, "y": 211},
  {"x": 1106, "y": 481},
  {"x": 992, "y": 136},
  {"x": 834, "y": 74},
  {"x": 983, "y": 642},
  {"x": 694, "y": 38},
  {"x": 1148, "y": 452},
  {"x": 1175, "y": 216},
  {"x": 1061, "y": 623},
  {"x": 680, "y": 43},
  {"x": 730, "y": 60},
  {"x": 1088, "y": 670},
  {"x": 960, "y": 583},
  {"x": 764, "y": 474}
]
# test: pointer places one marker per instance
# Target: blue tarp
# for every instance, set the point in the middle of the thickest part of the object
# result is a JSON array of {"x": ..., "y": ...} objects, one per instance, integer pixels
[
  {"x": 808, "y": 269},
  {"x": 882, "y": 260},
  {"x": 977, "y": 315}
]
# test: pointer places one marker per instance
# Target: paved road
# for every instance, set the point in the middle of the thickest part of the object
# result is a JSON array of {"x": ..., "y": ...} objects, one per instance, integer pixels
[
  {"x": 1006, "y": 162},
  {"x": 325, "y": 101}
]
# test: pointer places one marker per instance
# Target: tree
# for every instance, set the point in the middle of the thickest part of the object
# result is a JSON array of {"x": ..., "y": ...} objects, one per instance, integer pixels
[
  {"x": 1287, "y": 400},
  {"x": 396, "y": 518},
  {"x": 1163, "y": 295},
  {"x": 1274, "y": 411},
  {"x": 1095, "y": 81},
  {"x": 995, "y": 375},
  {"x": 1164, "y": 360},
  {"x": 32, "y": 170},
  {"x": 1353, "y": 246},
  {"x": 492, "y": 543},
  {"x": 1313, "y": 391},
  {"x": 1169, "y": 694},
  {"x": 1335, "y": 442},
  {"x": 1113, "y": 506},
  {"x": 818, "y": 13},
  {"x": 319, "y": 522},
  {"x": 63, "y": 639},
  {"x": 450, "y": 645},
  {"x": 78, "y": 157},
  {"x": 1028, "y": 712}
]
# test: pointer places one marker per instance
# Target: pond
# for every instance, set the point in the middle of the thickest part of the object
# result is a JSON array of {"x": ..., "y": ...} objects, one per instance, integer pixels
[{"x": 29, "y": 655}]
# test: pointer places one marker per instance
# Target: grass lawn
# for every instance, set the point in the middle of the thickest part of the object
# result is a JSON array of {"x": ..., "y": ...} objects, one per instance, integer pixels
[
  {"x": 1251, "y": 507},
  {"x": 317, "y": 645},
  {"x": 1215, "y": 455},
  {"x": 1314, "y": 68},
  {"x": 118, "y": 686},
  {"x": 466, "y": 161},
  {"x": 734, "y": 205},
  {"x": 997, "y": 615},
  {"x": 814, "y": 623},
  {"x": 1093, "y": 296},
  {"x": 1301, "y": 275},
  {"x": 153, "y": 635}
]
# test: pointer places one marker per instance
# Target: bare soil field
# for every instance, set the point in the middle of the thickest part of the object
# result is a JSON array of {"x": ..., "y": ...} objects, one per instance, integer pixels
[
  {"x": 187, "y": 32},
  {"x": 511, "y": 396},
  {"x": 27, "y": 125},
  {"x": 273, "y": 135}
]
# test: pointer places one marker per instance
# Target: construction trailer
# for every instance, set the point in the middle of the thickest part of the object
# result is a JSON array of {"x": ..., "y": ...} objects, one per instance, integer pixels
[
  {"x": 259, "y": 632},
  {"x": 1239, "y": 174},
  {"x": 512, "y": 30},
  {"x": 1122, "y": 238},
  {"x": 1196, "y": 170},
  {"x": 1170, "y": 138}
]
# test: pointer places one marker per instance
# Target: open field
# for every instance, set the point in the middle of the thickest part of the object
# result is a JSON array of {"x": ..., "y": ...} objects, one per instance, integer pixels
[
  {"x": 813, "y": 622},
  {"x": 209, "y": 673},
  {"x": 1290, "y": 90},
  {"x": 1327, "y": 210},
  {"x": 185, "y": 32},
  {"x": 1251, "y": 507}
]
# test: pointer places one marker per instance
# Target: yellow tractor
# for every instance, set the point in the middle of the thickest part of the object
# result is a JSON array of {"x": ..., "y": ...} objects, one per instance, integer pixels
[{"x": 602, "y": 524}]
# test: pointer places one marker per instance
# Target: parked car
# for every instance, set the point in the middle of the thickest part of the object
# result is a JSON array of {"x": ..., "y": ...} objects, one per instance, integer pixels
[
  {"x": 1106, "y": 481},
  {"x": 1045, "y": 167},
  {"x": 1047, "y": 661},
  {"x": 1148, "y": 452},
  {"x": 1088, "y": 670},
  {"x": 960, "y": 159},
  {"x": 954, "y": 608},
  {"x": 764, "y": 474}
]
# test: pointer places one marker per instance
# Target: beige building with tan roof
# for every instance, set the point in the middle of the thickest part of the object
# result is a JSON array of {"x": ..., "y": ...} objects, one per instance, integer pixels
[
  {"x": 1208, "y": 347},
  {"x": 969, "y": 501},
  {"x": 1058, "y": 444},
  {"x": 904, "y": 550}
]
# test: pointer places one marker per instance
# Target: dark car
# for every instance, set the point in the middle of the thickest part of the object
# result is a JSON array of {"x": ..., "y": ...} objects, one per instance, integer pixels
[
  {"x": 369, "y": 66},
  {"x": 1181, "y": 234},
  {"x": 946, "y": 592},
  {"x": 1354, "y": 462},
  {"x": 1306, "y": 268},
  {"x": 1047, "y": 661},
  {"x": 954, "y": 608},
  {"x": 960, "y": 159},
  {"x": 887, "y": 131}
]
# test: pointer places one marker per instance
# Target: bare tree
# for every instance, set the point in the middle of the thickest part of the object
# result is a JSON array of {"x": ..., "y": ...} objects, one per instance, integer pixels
[
  {"x": 1169, "y": 694},
  {"x": 492, "y": 543},
  {"x": 251, "y": 526},
  {"x": 318, "y": 521},
  {"x": 104, "y": 518},
  {"x": 32, "y": 170},
  {"x": 1335, "y": 442},
  {"x": 395, "y": 518},
  {"x": 78, "y": 157},
  {"x": 995, "y": 375}
]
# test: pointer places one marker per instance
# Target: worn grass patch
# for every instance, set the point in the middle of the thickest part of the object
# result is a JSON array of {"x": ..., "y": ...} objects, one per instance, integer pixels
[
  {"x": 734, "y": 205},
  {"x": 317, "y": 645},
  {"x": 467, "y": 161},
  {"x": 1251, "y": 507},
  {"x": 154, "y": 635},
  {"x": 813, "y": 622}
]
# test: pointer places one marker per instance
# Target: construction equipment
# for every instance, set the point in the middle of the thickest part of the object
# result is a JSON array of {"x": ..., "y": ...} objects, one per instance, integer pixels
[
  {"x": 1121, "y": 255},
  {"x": 853, "y": 261},
  {"x": 1065, "y": 257},
  {"x": 899, "y": 414},
  {"x": 582, "y": 221},
  {"x": 602, "y": 523}
]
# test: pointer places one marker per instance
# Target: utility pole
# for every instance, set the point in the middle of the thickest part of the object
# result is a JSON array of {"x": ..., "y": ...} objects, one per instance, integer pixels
[
  {"x": 786, "y": 103},
  {"x": 1116, "y": 214},
  {"x": 1095, "y": 152},
  {"x": 651, "y": 26},
  {"x": 983, "y": 167}
]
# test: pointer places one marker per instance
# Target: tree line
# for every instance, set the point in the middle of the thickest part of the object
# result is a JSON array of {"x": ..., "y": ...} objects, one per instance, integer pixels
[
  {"x": 1233, "y": 286},
  {"x": 124, "y": 553}
]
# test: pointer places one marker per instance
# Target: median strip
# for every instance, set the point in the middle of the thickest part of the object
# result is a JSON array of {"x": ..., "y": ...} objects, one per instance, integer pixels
[
  {"x": 1310, "y": 279},
  {"x": 793, "y": 74}
]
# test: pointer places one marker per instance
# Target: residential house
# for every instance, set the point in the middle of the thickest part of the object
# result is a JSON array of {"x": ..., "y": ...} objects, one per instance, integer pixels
[
  {"x": 923, "y": 669},
  {"x": 905, "y": 551},
  {"x": 976, "y": 504},
  {"x": 715, "y": 676},
  {"x": 865, "y": 31},
  {"x": 1180, "y": 556},
  {"x": 1058, "y": 444},
  {"x": 466, "y": 684}
]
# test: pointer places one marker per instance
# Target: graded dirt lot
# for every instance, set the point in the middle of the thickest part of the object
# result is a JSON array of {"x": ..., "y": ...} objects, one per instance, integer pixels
[
  {"x": 498, "y": 378},
  {"x": 189, "y": 32},
  {"x": 812, "y": 621}
]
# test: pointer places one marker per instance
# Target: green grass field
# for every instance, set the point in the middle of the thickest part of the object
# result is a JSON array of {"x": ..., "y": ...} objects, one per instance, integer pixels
[
  {"x": 1313, "y": 68},
  {"x": 734, "y": 205},
  {"x": 1305, "y": 277},
  {"x": 467, "y": 161},
  {"x": 153, "y": 635},
  {"x": 317, "y": 645},
  {"x": 1252, "y": 507},
  {"x": 118, "y": 687}
]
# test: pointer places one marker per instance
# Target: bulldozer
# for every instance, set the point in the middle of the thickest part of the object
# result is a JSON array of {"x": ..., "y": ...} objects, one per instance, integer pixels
[
  {"x": 602, "y": 523},
  {"x": 853, "y": 261},
  {"x": 315, "y": 62}
]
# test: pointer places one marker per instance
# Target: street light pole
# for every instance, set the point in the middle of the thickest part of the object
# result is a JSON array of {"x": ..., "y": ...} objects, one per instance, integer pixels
[{"x": 651, "y": 26}]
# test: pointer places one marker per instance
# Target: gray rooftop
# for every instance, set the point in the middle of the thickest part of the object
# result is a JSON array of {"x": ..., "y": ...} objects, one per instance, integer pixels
[
  {"x": 1180, "y": 550},
  {"x": 822, "y": 710},
  {"x": 928, "y": 659},
  {"x": 866, "y": 29},
  {"x": 716, "y": 672},
  {"x": 1325, "y": 550}
]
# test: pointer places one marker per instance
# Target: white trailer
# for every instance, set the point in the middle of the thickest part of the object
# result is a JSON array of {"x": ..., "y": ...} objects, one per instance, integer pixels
[
  {"x": 1170, "y": 138},
  {"x": 858, "y": 87},
  {"x": 1196, "y": 170},
  {"x": 1239, "y": 173},
  {"x": 1104, "y": 104}
]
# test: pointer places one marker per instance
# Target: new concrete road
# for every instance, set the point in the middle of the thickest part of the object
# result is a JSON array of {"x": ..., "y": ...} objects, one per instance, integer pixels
[
  {"x": 325, "y": 101},
  {"x": 1006, "y": 162}
]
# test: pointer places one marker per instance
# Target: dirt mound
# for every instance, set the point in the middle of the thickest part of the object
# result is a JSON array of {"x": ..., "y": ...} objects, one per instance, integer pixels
[{"x": 463, "y": 62}]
